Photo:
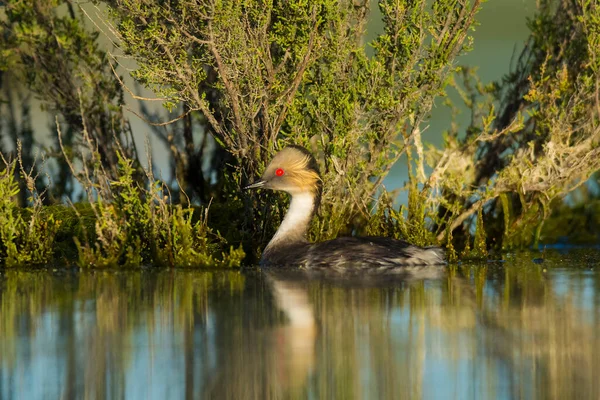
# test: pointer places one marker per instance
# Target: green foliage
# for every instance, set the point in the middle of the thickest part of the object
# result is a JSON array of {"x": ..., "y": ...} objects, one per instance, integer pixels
[
  {"x": 187, "y": 243},
  {"x": 50, "y": 51},
  {"x": 479, "y": 242},
  {"x": 25, "y": 240},
  {"x": 258, "y": 75},
  {"x": 533, "y": 139},
  {"x": 124, "y": 224},
  {"x": 575, "y": 221},
  {"x": 139, "y": 227},
  {"x": 267, "y": 74}
]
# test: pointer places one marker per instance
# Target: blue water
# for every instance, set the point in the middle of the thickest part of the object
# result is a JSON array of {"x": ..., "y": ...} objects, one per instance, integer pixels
[{"x": 506, "y": 330}]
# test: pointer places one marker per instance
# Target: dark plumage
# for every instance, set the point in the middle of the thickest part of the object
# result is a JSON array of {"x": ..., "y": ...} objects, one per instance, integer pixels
[{"x": 295, "y": 171}]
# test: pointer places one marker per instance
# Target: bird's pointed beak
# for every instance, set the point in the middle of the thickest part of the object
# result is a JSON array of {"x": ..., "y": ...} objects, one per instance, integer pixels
[{"x": 257, "y": 184}]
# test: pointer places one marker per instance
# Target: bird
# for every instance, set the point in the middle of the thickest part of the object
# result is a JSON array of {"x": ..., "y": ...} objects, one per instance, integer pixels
[{"x": 295, "y": 171}]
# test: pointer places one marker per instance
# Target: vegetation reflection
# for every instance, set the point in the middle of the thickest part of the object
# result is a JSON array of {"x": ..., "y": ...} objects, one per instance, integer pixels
[{"x": 482, "y": 330}]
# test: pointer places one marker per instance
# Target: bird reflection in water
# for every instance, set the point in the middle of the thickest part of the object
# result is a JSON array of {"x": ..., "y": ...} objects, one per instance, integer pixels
[{"x": 294, "y": 343}]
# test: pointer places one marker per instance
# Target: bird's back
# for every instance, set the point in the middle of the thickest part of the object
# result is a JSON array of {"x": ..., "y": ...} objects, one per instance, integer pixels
[{"x": 348, "y": 254}]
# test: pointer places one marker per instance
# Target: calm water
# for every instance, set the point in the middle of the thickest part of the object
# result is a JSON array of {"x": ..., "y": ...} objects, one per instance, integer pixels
[{"x": 499, "y": 331}]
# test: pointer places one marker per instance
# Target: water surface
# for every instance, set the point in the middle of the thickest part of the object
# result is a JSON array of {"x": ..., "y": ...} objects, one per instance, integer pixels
[{"x": 507, "y": 330}]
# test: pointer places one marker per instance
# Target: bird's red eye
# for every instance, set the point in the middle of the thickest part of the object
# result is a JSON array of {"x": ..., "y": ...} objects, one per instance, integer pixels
[{"x": 279, "y": 172}]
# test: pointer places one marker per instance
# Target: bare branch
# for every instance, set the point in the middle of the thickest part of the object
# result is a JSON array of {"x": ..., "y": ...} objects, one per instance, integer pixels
[
  {"x": 136, "y": 97},
  {"x": 161, "y": 123}
]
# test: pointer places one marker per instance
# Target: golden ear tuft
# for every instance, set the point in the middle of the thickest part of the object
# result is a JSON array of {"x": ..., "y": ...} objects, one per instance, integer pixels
[
  {"x": 306, "y": 179},
  {"x": 298, "y": 167}
]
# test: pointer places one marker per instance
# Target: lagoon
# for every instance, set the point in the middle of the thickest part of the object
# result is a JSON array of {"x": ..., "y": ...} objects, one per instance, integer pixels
[{"x": 525, "y": 327}]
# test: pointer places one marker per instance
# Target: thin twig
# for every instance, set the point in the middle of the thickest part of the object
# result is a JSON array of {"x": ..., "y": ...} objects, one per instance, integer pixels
[
  {"x": 136, "y": 97},
  {"x": 161, "y": 123}
]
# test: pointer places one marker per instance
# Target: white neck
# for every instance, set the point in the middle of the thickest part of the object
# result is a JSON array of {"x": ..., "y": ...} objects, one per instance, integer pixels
[{"x": 295, "y": 223}]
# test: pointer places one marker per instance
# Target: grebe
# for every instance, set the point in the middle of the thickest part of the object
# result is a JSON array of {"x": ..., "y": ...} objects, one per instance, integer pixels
[{"x": 294, "y": 170}]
